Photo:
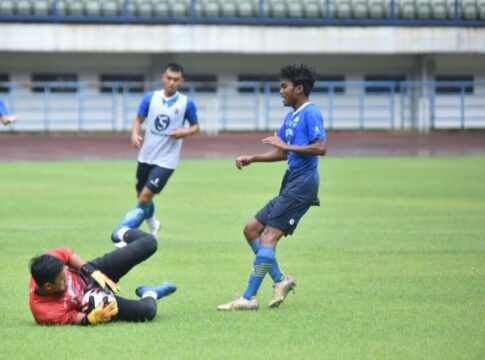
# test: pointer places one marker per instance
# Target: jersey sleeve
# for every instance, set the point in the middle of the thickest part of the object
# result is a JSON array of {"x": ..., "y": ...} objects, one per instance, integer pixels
[
  {"x": 191, "y": 112},
  {"x": 63, "y": 254},
  {"x": 3, "y": 109},
  {"x": 55, "y": 315},
  {"x": 314, "y": 125},
  {"x": 145, "y": 105}
]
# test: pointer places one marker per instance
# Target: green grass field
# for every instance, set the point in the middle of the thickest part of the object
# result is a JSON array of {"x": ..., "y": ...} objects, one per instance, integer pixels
[{"x": 391, "y": 266}]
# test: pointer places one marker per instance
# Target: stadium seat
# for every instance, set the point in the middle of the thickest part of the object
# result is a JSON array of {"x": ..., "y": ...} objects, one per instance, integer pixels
[
  {"x": 295, "y": 9},
  {"x": 229, "y": 9},
  {"x": 209, "y": 8},
  {"x": 145, "y": 8},
  {"x": 179, "y": 9},
  {"x": 60, "y": 7},
  {"x": 423, "y": 9},
  {"x": 110, "y": 8},
  {"x": 359, "y": 9},
  {"x": 406, "y": 9},
  {"x": 93, "y": 8},
  {"x": 468, "y": 9},
  {"x": 23, "y": 7},
  {"x": 245, "y": 8},
  {"x": 6, "y": 7},
  {"x": 75, "y": 7},
  {"x": 41, "y": 7},
  {"x": 377, "y": 9},
  {"x": 312, "y": 9},
  {"x": 277, "y": 8},
  {"x": 341, "y": 9},
  {"x": 161, "y": 8},
  {"x": 439, "y": 9}
]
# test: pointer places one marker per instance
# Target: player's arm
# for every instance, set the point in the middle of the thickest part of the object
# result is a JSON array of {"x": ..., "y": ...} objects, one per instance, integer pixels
[
  {"x": 318, "y": 147},
  {"x": 184, "y": 132},
  {"x": 136, "y": 137},
  {"x": 270, "y": 156},
  {"x": 78, "y": 263},
  {"x": 101, "y": 314}
]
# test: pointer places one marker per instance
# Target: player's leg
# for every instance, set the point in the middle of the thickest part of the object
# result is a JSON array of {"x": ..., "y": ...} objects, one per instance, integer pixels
[
  {"x": 134, "y": 217},
  {"x": 136, "y": 310},
  {"x": 140, "y": 246},
  {"x": 156, "y": 181},
  {"x": 252, "y": 232},
  {"x": 144, "y": 309},
  {"x": 263, "y": 262},
  {"x": 286, "y": 215}
]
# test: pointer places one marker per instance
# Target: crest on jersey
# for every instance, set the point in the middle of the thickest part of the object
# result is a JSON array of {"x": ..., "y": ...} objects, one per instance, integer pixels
[
  {"x": 288, "y": 135},
  {"x": 162, "y": 122}
]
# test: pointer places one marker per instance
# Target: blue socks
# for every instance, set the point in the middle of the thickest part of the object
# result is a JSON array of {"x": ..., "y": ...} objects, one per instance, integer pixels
[
  {"x": 148, "y": 210},
  {"x": 134, "y": 218},
  {"x": 263, "y": 262},
  {"x": 275, "y": 271}
]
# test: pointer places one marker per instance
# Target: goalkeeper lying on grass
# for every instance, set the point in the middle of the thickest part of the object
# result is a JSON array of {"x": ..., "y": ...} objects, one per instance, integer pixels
[{"x": 61, "y": 278}]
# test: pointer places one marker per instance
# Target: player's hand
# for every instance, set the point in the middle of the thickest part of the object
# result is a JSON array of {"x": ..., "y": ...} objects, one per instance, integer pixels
[
  {"x": 243, "y": 160},
  {"x": 7, "y": 119},
  {"x": 178, "y": 133},
  {"x": 136, "y": 140},
  {"x": 105, "y": 282},
  {"x": 275, "y": 141},
  {"x": 103, "y": 313}
]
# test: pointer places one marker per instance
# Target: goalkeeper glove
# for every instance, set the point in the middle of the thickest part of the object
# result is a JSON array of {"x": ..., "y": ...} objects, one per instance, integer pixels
[
  {"x": 105, "y": 282},
  {"x": 103, "y": 313}
]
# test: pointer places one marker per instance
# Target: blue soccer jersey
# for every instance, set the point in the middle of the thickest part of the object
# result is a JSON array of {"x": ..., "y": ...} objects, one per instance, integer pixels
[{"x": 300, "y": 128}]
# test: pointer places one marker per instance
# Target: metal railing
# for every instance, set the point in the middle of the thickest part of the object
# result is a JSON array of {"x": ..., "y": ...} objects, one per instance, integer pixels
[
  {"x": 263, "y": 12},
  {"x": 251, "y": 106}
]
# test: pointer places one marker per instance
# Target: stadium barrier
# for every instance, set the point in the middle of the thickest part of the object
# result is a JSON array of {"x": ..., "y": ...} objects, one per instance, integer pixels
[
  {"x": 254, "y": 12},
  {"x": 250, "y": 106}
]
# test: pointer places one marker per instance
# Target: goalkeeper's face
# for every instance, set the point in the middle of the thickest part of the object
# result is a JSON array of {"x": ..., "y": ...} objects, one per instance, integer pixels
[{"x": 59, "y": 283}]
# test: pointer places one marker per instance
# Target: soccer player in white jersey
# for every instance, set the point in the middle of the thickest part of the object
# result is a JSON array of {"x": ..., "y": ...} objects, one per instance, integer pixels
[{"x": 164, "y": 113}]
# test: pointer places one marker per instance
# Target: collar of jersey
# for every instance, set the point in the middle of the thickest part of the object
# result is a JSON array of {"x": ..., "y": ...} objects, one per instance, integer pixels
[
  {"x": 169, "y": 101},
  {"x": 300, "y": 109}
]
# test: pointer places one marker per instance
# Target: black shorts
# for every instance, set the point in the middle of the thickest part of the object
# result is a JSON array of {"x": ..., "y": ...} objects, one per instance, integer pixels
[
  {"x": 298, "y": 192},
  {"x": 152, "y": 176}
]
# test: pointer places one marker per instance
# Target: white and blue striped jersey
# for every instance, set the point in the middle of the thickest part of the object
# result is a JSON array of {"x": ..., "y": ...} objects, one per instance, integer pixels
[{"x": 162, "y": 116}]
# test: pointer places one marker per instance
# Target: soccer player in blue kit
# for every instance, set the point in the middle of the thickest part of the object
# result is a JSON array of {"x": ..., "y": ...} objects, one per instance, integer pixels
[
  {"x": 300, "y": 140},
  {"x": 165, "y": 112}
]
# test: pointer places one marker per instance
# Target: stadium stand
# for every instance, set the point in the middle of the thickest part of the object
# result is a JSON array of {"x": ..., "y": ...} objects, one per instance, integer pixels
[{"x": 220, "y": 11}]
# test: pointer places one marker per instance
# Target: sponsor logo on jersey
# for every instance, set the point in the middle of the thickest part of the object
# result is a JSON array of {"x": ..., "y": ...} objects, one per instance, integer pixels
[{"x": 162, "y": 122}]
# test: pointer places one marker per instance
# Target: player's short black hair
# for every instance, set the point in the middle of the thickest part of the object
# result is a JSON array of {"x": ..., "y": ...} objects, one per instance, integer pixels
[
  {"x": 175, "y": 68},
  {"x": 45, "y": 268},
  {"x": 301, "y": 74}
]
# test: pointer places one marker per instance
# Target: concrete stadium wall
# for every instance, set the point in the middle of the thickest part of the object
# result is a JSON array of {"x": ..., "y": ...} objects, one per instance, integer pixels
[{"x": 240, "y": 39}]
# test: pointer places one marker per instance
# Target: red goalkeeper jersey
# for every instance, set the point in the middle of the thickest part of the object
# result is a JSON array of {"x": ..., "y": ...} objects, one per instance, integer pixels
[{"x": 60, "y": 308}]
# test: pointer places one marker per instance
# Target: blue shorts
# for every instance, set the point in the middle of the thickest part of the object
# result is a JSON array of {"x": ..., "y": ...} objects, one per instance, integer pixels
[
  {"x": 152, "y": 176},
  {"x": 298, "y": 192}
]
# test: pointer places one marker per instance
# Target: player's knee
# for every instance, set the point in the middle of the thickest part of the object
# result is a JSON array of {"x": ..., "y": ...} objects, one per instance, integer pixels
[
  {"x": 248, "y": 232},
  {"x": 150, "y": 244},
  {"x": 150, "y": 313},
  {"x": 268, "y": 240}
]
